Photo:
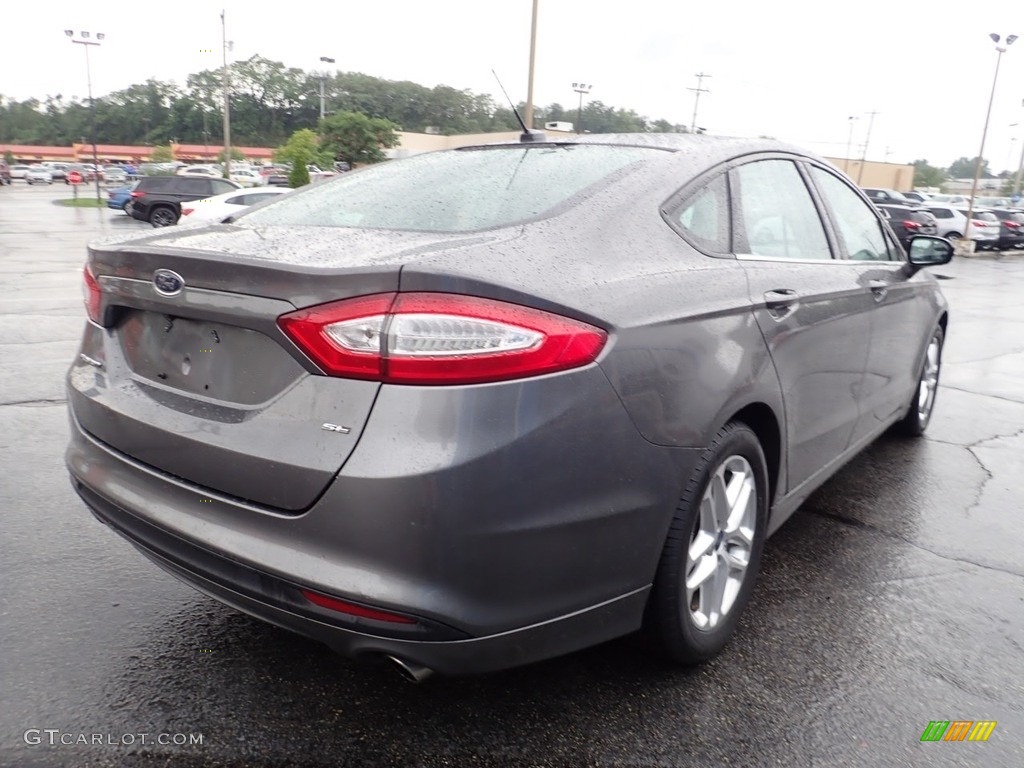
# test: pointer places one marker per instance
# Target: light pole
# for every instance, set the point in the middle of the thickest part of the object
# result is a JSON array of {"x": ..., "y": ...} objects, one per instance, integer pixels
[
  {"x": 84, "y": 39},
  {"x": 849, "y": 142},
  {"x": 528, "y": 117},
  {"x": 581, "y": 89},
  {"x": 1000, "y": 50},
  {"x": 696, "y": 99},
  {"x": 1020, "y": 167},
  {"x": 325, "y": 60},
  {"x": 227, "y": 99}
]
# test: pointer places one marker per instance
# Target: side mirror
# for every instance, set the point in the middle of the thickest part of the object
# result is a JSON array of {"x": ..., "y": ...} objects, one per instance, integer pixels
[{"x": 928, "y": 251}]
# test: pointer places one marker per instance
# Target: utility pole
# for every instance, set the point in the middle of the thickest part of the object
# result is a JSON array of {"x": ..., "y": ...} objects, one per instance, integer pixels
[
  {"x": 849, "y": 142},
  {"x": 227, "y": 99},
  {"x": 867, "y": 140},
  {"x": 696, "y": 100}
]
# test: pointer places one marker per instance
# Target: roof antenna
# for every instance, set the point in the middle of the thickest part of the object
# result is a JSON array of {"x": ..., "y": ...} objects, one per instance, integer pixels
[{"x": 528, "y": 135}]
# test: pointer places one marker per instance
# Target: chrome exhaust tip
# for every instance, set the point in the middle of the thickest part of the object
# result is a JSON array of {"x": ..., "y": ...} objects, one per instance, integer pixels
[{"x": 410, "y": 670}]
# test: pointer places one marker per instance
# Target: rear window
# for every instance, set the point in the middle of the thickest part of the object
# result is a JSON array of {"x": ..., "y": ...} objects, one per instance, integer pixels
[{"x": 455, "y": 191}]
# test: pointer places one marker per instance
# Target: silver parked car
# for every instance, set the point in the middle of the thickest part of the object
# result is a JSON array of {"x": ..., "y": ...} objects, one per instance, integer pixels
[
  {"x": 38, "y": 174},
  {"x": 480, "y": 407}
]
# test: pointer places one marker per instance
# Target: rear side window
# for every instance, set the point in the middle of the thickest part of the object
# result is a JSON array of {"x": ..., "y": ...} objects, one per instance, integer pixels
[
  {"x": 941, "y": 213},
  {"x": 704, "y": 216},
  {"x": 455, "y": 191},
  {"x": 157, "y": 183}
]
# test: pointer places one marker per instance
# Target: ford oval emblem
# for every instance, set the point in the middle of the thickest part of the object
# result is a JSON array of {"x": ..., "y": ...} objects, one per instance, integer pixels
[{"x": 168, "y": 283}]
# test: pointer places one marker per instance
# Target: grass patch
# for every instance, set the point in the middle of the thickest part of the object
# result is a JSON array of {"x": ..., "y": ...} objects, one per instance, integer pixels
[{"x": 82, "y": 202}]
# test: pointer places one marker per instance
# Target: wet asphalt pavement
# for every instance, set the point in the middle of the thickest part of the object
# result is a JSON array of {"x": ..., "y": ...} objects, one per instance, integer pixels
[{"x": 893, "y": 598}]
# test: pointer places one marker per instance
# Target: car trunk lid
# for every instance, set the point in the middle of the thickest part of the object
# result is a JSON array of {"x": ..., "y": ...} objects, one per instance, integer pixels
[{"x": 202, "y": 384}]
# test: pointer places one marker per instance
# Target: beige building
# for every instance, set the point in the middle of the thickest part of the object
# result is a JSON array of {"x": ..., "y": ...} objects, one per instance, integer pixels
[
  {"x": 417, "y": 143},
  {"x": 885, "y": 175}
]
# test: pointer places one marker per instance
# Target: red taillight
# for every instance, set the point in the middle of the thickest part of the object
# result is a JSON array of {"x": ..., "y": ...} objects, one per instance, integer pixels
[
  {"x": 908, "y": 224},
  {"x": 978, "y": 223},
  {"x": 91, "y": 294},
  {"x": 137, "y": 194},
  {"x": 439, "y": 338},
  {"x": 1012, "y": 224},
  {"x": 186, "y": 211},
  {"x": 352, "y": 609}
]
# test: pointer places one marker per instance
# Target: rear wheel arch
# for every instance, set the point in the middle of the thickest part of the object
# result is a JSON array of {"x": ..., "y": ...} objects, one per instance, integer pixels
[{"x": 763, "y": 421}]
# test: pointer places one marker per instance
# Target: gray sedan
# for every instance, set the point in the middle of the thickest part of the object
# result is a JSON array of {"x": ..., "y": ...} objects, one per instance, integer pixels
[{"x": 476, "y": 408}]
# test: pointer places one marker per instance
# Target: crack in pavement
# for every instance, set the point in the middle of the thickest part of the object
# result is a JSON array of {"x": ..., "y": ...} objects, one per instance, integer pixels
[
  {"x": 855, "y": 523},
  {"x": 970, "y": 447},
  {"x": 984, "y": 394},
  {"x": 40, "y": 402},
  {"x": 988, "y": 473}
]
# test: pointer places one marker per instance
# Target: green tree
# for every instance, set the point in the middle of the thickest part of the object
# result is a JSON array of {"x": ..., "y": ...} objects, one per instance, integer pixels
[
  {"x": 926, "y": 175},
  {"x": 356, "y": 138},
  {"x": 963, "y": 168},
  {"x": 9, "y": 157},
  {"x": 301, "y": 149},
  {"x": 162, "y": 153},
  {"x": 298, "y": 176}
]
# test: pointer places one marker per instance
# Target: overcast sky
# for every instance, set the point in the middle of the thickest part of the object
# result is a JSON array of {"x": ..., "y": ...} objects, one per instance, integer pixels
[{"x": 791, "y": 69}]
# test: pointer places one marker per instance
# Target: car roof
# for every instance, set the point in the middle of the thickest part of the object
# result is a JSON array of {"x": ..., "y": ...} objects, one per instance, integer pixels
[{"x": 714, "y": 149}]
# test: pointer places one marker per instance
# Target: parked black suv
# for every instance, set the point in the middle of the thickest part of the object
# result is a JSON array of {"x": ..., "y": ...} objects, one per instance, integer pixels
[
  {"x": 1011, "y": 228},
  {"x": 158, "y": 199},
  {"x": 907, "y": 222},
  {"x": 888, "y": 196}
]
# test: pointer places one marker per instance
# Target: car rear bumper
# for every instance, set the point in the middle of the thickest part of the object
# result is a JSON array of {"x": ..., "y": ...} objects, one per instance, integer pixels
[
  {"x": 484, "y": 538},
  {"x": 267, "y": 598}
]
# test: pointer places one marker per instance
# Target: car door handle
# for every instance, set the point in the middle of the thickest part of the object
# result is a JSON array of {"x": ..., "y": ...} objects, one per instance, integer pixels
[
  {"x": 781, "y": 303},
  {"x": 880, "y": 289},
  {"x": 780, "y": 298}
]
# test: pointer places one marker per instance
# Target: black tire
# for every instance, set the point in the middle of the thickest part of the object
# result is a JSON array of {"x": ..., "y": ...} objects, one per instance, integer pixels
[
  {"x": 922, "y": 404},
  {"x": 162, "y": 216},
  {"x": 953, "y": 236},
  {"x": 675, "y": 620}
]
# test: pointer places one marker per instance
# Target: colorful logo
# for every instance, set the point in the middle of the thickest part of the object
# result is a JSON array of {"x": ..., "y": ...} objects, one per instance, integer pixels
[{"x": 958, "y": 730}]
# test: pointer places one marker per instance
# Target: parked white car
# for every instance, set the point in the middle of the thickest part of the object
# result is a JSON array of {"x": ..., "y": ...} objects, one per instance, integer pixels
[
  {"x": 952, "y": 223},
  {"x": 221, "y": 206},
  {"x": 205, "y": 171},
  {"x": 315, "y": 174},
  {"x": 19, "y": 171},
  {"x": 39, "y": 175},
  {"x": 247, "y": 177},
  {"x": 950, "y": 199}
]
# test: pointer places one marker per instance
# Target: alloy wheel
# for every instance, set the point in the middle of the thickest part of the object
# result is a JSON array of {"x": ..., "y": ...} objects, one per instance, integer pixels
[
  {"x": 722, "y": 542},
  {"x": 929, "y": 381}
]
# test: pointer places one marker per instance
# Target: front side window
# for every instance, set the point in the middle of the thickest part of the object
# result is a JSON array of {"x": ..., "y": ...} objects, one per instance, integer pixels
[
  {"x": 777, "y": 212},
  {"x": 859, "y": 225}
]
